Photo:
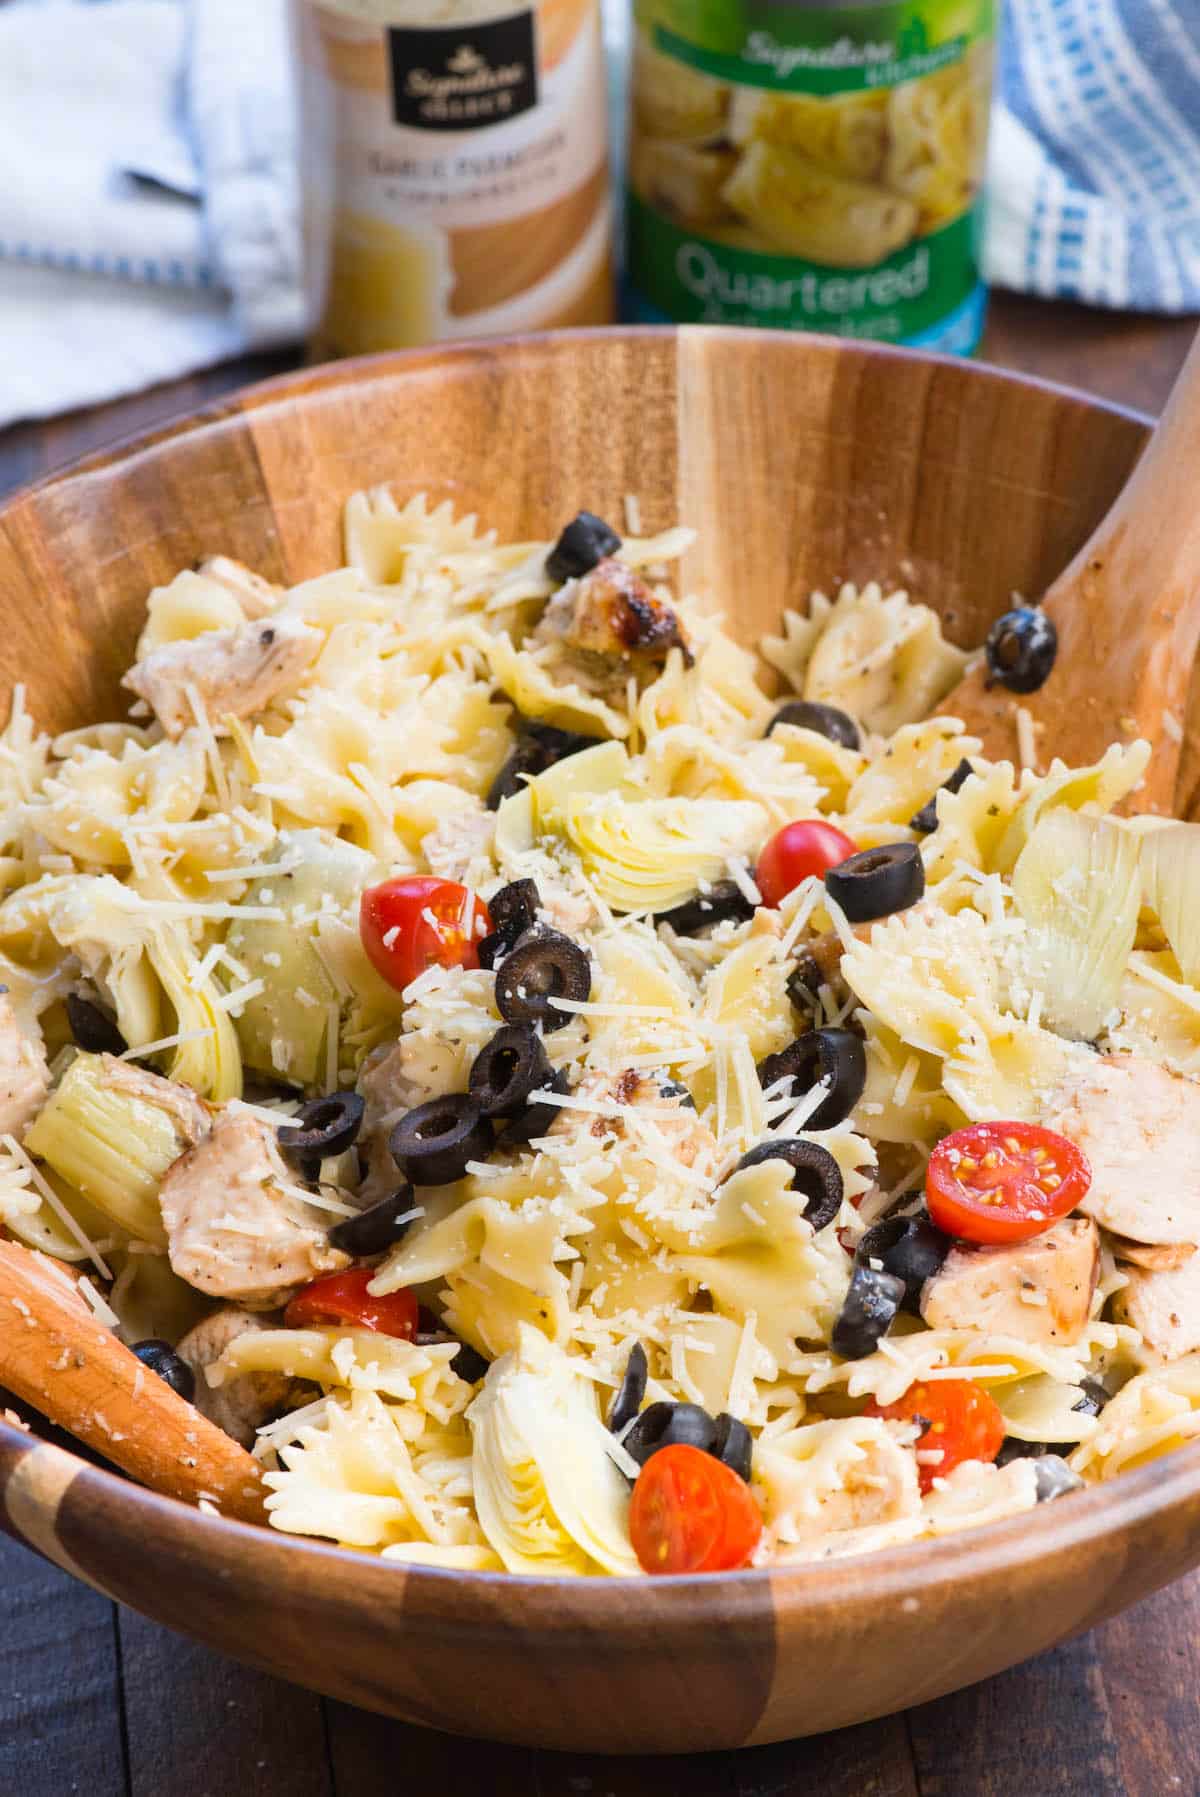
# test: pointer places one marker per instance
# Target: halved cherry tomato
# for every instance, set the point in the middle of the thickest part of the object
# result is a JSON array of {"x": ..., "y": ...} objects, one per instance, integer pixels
[
  {"x": 344, "y": 1298},
  {"x": 798, "y": 850},
  {"x": 691, "y": 1513},
  {"x": 1003, "y": 1182},
  {"x": 961, "y": 1421},
  {"x": 417, "y": 922}
]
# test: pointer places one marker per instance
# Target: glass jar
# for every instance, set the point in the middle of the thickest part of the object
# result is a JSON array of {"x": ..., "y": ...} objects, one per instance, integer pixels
[
  {"x": 813, "y": 165},
  {"x": 455, "y": 169}
]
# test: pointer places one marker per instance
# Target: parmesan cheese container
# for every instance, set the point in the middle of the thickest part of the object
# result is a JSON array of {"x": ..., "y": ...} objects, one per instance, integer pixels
[
  {"x": 455, "y": 169},
  {"x": 812, "y": 165}
]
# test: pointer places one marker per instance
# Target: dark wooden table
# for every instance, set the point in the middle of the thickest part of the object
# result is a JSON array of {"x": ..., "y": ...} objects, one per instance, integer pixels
[{"x": 96, "y": 1700}]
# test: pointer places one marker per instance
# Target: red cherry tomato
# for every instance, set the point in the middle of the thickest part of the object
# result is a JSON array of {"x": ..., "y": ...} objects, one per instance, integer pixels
[
  {"x": 344, "y": 1298},
  {"x": 691, "y": 1513},
  {"x": 961, "y": 1421},
  {"x": 795, "y": 852},
  {"x": 417, "y": 922},
  {"x": 1003, "y": 1182}
]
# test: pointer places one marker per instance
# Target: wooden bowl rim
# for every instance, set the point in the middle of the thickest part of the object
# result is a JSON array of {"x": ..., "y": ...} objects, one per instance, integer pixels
[
  {"x": 301, "y": 383},
  {"x": 1150, "y": 1491}
]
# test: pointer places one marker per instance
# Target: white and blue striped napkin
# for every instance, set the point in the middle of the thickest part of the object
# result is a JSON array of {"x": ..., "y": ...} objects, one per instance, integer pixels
[
  {"x": 148, "y": 211},
  {"x": 1095, "y": 153}
]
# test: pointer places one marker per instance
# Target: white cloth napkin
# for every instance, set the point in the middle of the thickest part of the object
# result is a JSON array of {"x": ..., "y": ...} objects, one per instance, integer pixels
[{"x": 148, "y": 208}]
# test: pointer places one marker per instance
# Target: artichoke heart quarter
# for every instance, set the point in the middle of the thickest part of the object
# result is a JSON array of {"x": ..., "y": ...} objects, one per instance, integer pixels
[
  {"x": 1077, "y": 889},
  {"x": 549, "y": 1497},
  {"x": 650, "y": 854}
]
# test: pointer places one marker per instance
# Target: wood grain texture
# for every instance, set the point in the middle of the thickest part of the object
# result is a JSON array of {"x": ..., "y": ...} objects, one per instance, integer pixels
[
  {"x": 1127, "y": 612},
  {"x": 800, "y": 461},
  {"x": 56, "y": 1356}
]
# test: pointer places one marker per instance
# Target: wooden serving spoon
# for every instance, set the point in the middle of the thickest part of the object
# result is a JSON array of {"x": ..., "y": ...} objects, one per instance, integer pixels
[
  {"x": 56, "y": 1356},
  {"x": 1127, "y": 611}
]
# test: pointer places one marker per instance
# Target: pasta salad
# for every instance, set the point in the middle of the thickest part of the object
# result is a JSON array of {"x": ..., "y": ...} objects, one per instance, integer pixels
[{"x": 568, "y": 1112}]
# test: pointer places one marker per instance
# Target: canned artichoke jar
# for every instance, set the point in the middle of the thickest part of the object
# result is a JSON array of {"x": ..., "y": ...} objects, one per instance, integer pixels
[
  {"x": 454, "y": 167},
  {"x": 810, "y": 167}
]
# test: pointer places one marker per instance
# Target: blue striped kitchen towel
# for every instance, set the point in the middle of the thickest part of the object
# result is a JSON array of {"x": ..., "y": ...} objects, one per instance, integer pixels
[{"x": 1095, "y": 153}]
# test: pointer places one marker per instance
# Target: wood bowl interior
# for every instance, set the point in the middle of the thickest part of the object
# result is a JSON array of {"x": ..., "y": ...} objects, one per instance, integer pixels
[{"x": 802, "y": 462}]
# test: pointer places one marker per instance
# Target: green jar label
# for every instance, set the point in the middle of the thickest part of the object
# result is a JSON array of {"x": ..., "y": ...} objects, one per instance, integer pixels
[{"x": 810, "y": 168}]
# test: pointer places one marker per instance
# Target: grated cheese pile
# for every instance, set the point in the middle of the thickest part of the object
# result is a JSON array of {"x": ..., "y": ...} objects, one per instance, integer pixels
[{"x": 204, "y": 885}]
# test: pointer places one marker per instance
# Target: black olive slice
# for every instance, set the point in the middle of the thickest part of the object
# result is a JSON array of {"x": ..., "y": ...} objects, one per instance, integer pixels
[
  {"x": 877, "y": 882},
  {"x": 536, "y": 1119},
  {"x": 816, "y": 1174},
  {"x": 834, "y": 1056},
  {"x": 667, "y": 1425},
  {"x": 162, "y": 1359},
  {"x": 432, "y": 1144},
  {"x": 674, "y": 1088},
  {"x": 322, "y": 1127},
  {"x": 492, "y": 950},
  {"x": 722, "y": 901},
  {"x": 523, "y": 763},
  {"x": 544, "y": 965},
  {"x": 826, "y": 720},
  {"x": 1095, "y": 1397},
  {"x": 1054, "y": 1478},
  {"x": 732, "y": 1445},
  {"x": 1021, "y": 647},
  {"x": 925, "y": 820},
  {"x": 912, "y": 1248},
  {"x": 818, "y": 964},
  {"x": 628, "y": 1400},
  {"x": 507, "y": 1069},
  {"x": 469, "y": 1364},
  {"x": 556, "y": 744},
  {"x": 868, "y": 1312},
  {"x": 376, "y": 1228},
  {"x": 585, "y": 541},
  {"x": 514, "y": 908},
  {"x": 93, "y": 1027}
]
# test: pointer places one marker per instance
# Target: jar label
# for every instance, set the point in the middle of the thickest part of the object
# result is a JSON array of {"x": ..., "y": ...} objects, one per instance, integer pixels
[
  {"x": 463, "y": 77},
  {"x": 456, "y": 179},
  {"x": 814, "y": 168}
]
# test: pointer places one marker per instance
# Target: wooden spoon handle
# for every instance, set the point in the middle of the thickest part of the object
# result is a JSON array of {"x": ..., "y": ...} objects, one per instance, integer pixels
[
  {"x": 1127, "y": 610},
  {"x": 57, "y": 1357}
]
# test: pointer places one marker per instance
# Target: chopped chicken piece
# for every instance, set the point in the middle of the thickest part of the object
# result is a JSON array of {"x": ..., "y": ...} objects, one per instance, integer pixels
[
  {"x": 24, "y": 1075},
  {"x": 256, "y": 596},
  {"x": 670, "y": 1111},
  {"x": 1036, "y": 1291},
  {"x": 1165, "y": 1306},
  {"x": 612, "y": 613},
  {"x": 243, "y": 1404},
  {"x": 191, "y": 1115},
  {"x": 237, "y": 1224},
  {"x": 1139, "y": 1127},
  {"x": 233, "y": 672},
  {"x": 1160, "y": 1257}
]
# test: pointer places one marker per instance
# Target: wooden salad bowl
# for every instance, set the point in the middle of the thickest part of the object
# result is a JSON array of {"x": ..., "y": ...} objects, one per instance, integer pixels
[{"x": 802, "y": 461}]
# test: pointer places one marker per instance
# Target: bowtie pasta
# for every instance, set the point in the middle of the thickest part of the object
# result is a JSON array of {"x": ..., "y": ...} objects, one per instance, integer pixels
[{"x": 569, "y": 1112}]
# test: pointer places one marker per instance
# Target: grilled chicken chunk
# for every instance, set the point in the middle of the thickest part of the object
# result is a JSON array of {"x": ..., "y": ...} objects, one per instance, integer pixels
[
  {"x": 237, "y": 1227},
  {"x": 667, "y": 1106},
  {"x": 1036, "y": 1291},
  {"x": 24, "y": 1075},
  {"x": 186, "y": 1110},
  {"x": 1139, "y": 1127},
  {"x": 1165, "y": 1306},
  {"x": 256, "y": 596},
  {"x": 612, "y": 613},
  {"x": 234, "y": 672},
  {"x": 243, "y": 1404}
]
